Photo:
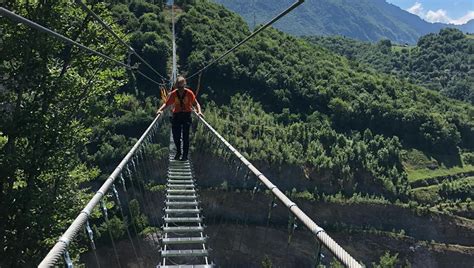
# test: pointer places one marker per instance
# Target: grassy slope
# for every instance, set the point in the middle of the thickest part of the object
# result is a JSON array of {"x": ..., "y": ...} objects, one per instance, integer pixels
[
  {"x": 426, "y": 173},
  {"x": 420, "y": 166}
]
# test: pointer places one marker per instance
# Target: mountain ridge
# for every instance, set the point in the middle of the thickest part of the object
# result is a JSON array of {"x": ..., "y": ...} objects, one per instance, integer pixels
[{"x": 365, "y": 20}]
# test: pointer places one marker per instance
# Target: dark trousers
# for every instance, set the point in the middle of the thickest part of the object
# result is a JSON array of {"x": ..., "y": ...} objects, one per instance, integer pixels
[{"x": 180, "y": 124}]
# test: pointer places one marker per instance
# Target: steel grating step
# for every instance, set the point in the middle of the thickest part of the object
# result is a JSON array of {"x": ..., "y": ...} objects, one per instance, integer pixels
[
  {"x": 182, "y": 210},
  {"x": 180, "y": 177},
  {"x": 173, "y": 191},
  {"x": 184, "y": 240},
  {"x": 184, "y": 253},
  {"x": 188, "y": 266},
  {"x": 183, "y": 204},
  {"x": 179, "y": 164},
  {"x": 180, "y": 186},
  {"x": 181, "y": 170},
  {"x": 187, "y": 172},
  {"x": 183, "y": 229},
  {"x": 181, "y": 181},
  {"x": 181, "y": 197},
  {"x": 195, "y": 219}
]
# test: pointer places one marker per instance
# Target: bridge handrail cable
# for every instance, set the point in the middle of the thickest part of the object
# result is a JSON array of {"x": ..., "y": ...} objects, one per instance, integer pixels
[
  {"x": 342, "y": 255},
  {"x": 78, "y": 224}
]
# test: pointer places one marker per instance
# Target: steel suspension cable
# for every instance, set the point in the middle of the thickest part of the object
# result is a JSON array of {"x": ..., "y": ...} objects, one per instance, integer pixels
[
  {"x": 174, "y": 72},
  {"x": 15, "y": 17},
  {"x": 115, "y": 35},
  {"x": 266, "y": 25}
]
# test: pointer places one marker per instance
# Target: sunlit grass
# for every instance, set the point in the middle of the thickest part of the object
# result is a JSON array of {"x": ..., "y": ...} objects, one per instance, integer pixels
[{"x": 425, "y": 173}]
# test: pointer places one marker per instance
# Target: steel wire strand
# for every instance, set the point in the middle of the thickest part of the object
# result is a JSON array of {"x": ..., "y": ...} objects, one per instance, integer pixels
[
  {"x": 254, "y": 33},
  {"x": 132, "y": 222},
  {"x": 15, "y": 17},
  {"x": 125, "y": 224},
  {"x": 107, "y": 223},
  {"x": 143, "y": 195},
  {"x": 138, "y": 194},
  {"x": 148, "y": 199},
  {"x": 90, "y": 234},
  {"x": 149, "y": 166},
  {"x": 115, "y": 35}
]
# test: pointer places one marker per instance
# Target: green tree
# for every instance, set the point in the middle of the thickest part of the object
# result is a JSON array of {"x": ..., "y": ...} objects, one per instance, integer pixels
[
  {"x": 387, "y": 261},
  {"x": 48, "y": 109}
]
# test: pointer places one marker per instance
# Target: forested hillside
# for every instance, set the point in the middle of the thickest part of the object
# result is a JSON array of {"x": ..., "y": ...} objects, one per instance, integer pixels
[
  {"x": 443, "y": 62},
  {"x": 354, "y": 132},
  {"x": 366, "y": 20},
  {"x": 290, "y": 76},
  {"x": 69, "y": 117}
]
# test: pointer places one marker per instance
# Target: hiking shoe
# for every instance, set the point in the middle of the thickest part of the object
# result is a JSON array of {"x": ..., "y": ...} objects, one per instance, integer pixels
[
  {"x": 184, "y": 158},
  {"x": 177, "y": 156}
]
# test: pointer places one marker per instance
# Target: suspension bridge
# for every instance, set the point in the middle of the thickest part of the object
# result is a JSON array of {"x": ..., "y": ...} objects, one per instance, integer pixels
[{"x": 181, "y": 237}]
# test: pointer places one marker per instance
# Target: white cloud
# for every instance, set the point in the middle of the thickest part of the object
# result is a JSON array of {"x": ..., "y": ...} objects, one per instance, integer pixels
[
  {"x": 439, "y": 15},
  {"x": 416, "y": 9},
  {"x": 464, "y": 19}
]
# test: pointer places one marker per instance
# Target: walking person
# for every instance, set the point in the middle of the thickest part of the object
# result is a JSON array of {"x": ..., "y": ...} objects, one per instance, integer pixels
[{"x": 182, "y": 100}]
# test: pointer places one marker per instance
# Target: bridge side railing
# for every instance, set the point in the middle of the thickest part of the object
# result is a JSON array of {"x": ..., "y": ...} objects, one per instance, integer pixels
[{"x": 324, "y": 239}]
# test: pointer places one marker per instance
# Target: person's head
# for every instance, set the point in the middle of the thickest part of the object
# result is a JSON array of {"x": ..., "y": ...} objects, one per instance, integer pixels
[{"x": 180, "y": 82}]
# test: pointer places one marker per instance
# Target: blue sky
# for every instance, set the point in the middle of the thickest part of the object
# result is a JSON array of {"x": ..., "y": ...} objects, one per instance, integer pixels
[{"x": 447, "y": 11}]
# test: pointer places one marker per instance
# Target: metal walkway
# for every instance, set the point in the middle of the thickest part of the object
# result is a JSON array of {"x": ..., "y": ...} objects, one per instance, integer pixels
[{"x": 183, "y": 241}]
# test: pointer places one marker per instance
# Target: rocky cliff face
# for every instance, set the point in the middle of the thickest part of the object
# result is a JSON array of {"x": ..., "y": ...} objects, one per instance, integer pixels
[{"x": 242, "y": 235}]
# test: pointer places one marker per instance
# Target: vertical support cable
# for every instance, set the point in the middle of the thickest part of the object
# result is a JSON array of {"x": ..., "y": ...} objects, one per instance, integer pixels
[
  {"x": 319, "y": 254},
  {"x": 67, "y": 259},
  {"x": 134, "y": 226},
  {"x": 107, "y": 223},
  {"x": 124, "y": 219},
  {"x": 90, "y": 234}
]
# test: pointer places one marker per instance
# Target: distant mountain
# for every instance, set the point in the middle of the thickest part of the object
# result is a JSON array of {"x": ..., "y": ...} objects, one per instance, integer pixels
[
  {"x": 366, "y": 20},
  {"x": 468, "y": 27}
]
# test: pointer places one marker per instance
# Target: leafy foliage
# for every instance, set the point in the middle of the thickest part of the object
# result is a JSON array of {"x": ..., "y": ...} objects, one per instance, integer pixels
[
  {"x": 64, "y": 123},
  {"x": 443, "y": 62},
  {"x": 149, "y": 36},
  {"x": 51, "y": 96},
  {"x": 362, "y": 162},
  {"x": 387, "y": 261}
]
